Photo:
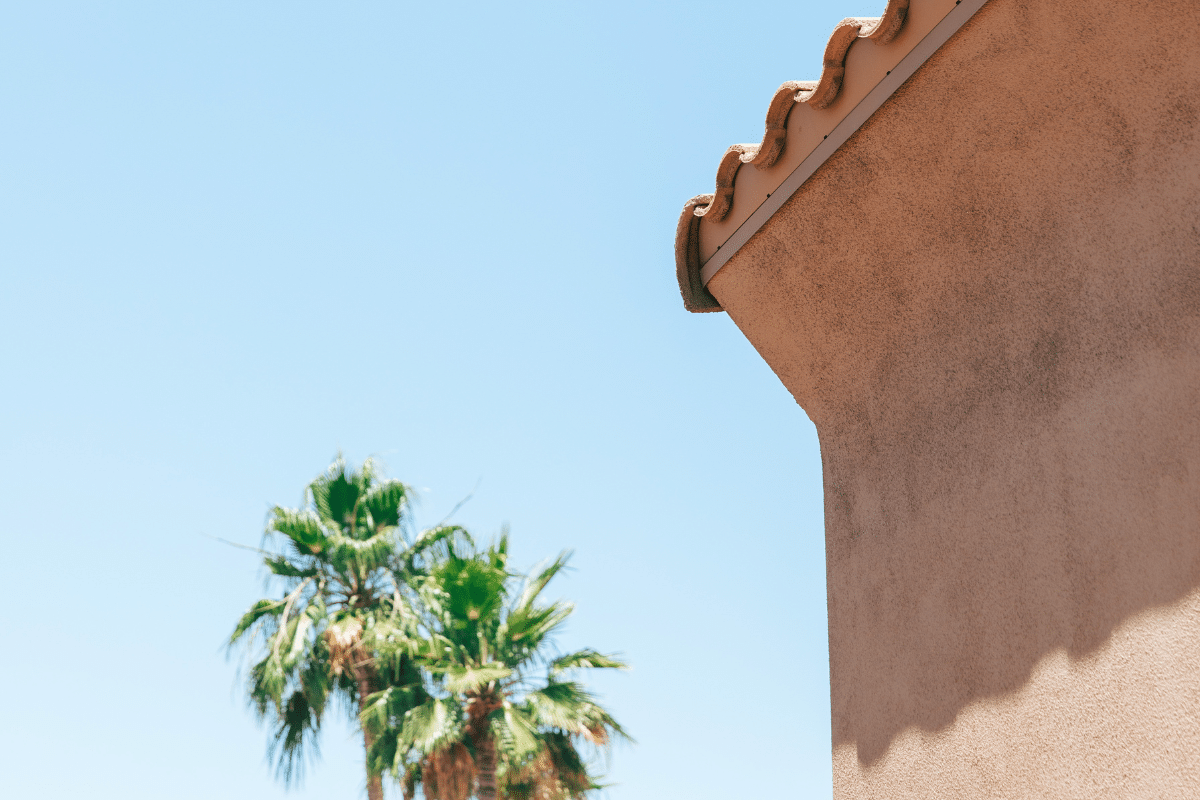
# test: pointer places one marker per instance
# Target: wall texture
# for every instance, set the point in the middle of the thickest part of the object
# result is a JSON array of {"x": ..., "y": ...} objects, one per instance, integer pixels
[{"x": 989, "y": 303}]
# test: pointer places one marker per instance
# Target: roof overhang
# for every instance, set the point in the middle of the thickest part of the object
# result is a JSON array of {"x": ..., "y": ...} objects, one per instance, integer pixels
[{"x": 866, "y": 61}]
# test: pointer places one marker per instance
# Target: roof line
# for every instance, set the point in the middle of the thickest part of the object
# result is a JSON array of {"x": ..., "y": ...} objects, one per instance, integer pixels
[{"x": 694, "y": 276}]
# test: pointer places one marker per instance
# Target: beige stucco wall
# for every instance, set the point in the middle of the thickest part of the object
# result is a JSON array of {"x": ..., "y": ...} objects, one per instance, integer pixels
[{"x": 989, "y": 303}]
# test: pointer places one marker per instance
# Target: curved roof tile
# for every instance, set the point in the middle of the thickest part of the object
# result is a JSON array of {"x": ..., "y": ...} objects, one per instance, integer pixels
[{"x": 819, "y": 94}]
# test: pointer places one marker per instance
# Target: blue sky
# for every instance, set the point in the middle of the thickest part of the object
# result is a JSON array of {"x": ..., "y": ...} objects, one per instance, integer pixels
[{"x": 238, "y": 237}]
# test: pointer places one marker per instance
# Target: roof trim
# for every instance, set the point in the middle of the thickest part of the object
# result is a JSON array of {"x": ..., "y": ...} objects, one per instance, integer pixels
[{"x": 694, "y": 276}]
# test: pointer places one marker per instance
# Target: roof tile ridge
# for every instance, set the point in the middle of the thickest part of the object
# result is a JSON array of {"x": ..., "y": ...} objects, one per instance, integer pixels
[{"x": 819, "y": 93}]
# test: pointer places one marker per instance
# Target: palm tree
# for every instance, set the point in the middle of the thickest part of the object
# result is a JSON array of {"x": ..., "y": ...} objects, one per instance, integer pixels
[
  {"x": 487, "y": 726},
  {"x": 346, "y": 560}
]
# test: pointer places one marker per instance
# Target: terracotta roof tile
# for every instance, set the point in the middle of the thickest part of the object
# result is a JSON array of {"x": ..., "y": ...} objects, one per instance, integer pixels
[{"x": 817, "y": 94}]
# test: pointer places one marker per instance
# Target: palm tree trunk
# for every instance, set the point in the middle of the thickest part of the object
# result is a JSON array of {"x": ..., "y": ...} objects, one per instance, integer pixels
[
  {"x": 374, "y": 779},
  {"x": 485, "y": 765}
]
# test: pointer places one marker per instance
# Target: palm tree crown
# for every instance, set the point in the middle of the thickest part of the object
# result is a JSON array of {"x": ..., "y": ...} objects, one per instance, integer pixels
[
  {"x": 501, "y": 717},
  {"x": 345, "y": 560}
]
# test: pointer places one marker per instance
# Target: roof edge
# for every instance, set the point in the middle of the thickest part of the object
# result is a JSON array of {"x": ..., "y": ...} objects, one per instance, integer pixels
[
  {"x": 696, "y": 296},
  {"x": 819, "y": 94},
  {"x": 691, "y": 273}
]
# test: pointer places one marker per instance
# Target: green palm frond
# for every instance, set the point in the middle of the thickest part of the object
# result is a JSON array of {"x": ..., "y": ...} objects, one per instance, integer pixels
[
  {"x": 330, "y": 491},
  {"x": 393, "y": 702},
  {"x": 316, "y": 609},
  {"x": 437, "y": 653},
  {"x": 543, "y": 575},
  {"x": 339, "y": 492},
  {"x": 316, "y": 681},
  {"x": 301, "y": 526},
  {"x": 261, "y": 609},
  {"x": 527, "y": 628},
  {"x": 268, "y": 681},
  {"x": 467, "y": 679},
  {"x": 299, "y": 640},
  {"x": 569, "y": 767},
  {"x": 497, "y": 554},
  {"x": 407, "y": 679},
  {"x": 433, "y": 724},
  {"x": 472, "y": 590},
  {"x": 285, "y": 568},
  {"x": 584, "y": 659},
  {"x": 516, "y": 733},
  {"x": 384, "y": 751},
  {"x": 565, "y": 706},
  {"x": 348, "y": 554},
  {"x": 376, "y": 709},
  {"x": 383, "y": 713},
  {"x": 386, "y": 503},
  {"x": 393, "y": 635},
  {"x": 432, "y": 546},
  {"x": 294, "y": 742},
  {"x": 570, "y": 708}
]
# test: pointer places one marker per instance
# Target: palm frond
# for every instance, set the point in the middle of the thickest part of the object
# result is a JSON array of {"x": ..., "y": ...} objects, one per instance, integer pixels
[
  {"x": 432, "y": 543},
  {"x": 268, "y": 681},
  {"x": 584, "y": 659},
  {"x": 262, "y": 608},
  {"x": 348, "y": 554},
  {"x": 375, "y": 711},
  {"x": 537, "y": 582},
  {"x": 294, "y": 741},
  {"x": 315, "y": 681},
  {"x": 564, "y": 706},
  {"x": 471, "y": 589},
  {"x": 516, "y": 732},
  {"x": 497, "y": 554},
  {"x": 385, "y": 754},
  {"x": 280, "y": 565},
  {"x": 466, "y": 679},
  {"x": 569, "y": 768},
  {"x": 316, "y": 609},
  {"x": 284, "y": 624},
  {"x": 435, "y": 723},
  {"x": 387, "y": 502},
  {"x": 301, "y": 526},
  {"x": 299, "y": 638},
  {"x": 568, "y": 707},
  {"x": 337, "y": 494},
  {"x": 527, "y": 628},
  {"x": 393, "y": 635}
]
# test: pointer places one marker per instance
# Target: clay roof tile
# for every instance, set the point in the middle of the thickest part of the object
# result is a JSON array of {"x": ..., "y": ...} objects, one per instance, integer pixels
[{"x": 818, "y": 94}]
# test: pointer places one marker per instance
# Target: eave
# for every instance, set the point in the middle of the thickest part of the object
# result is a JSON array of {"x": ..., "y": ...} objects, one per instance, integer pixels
[{"x": 865, "y": 62}]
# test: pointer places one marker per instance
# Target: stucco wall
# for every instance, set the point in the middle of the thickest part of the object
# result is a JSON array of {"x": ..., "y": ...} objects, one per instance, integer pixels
[{"x": 989, "y": 303}]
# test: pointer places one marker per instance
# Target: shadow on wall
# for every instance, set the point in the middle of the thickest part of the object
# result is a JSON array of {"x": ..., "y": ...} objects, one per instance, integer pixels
[{"x": 955, "y": 570}]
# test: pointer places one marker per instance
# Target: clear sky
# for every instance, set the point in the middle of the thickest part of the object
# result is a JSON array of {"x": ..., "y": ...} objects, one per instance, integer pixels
[{"x": 236, "y": 237}]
